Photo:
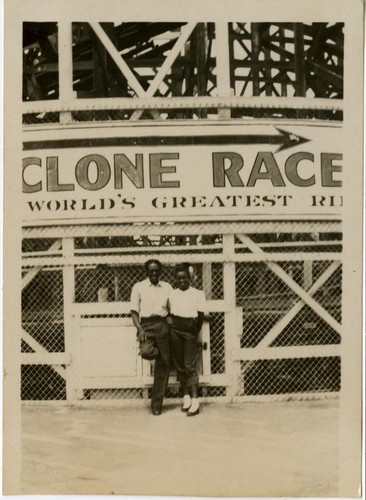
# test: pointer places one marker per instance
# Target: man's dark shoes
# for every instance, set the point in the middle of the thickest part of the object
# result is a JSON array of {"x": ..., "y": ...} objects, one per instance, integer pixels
[{"x": 156, "y": 411}]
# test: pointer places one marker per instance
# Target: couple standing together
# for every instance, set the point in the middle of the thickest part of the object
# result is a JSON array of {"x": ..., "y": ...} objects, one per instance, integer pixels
[{"x": 172, "y": 318}]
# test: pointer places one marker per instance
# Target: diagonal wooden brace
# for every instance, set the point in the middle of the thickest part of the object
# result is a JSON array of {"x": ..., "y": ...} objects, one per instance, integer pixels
[
  {"x": 35, "y": 270},
  {"x": 304, "y": 295},
  {"x": 291, "y": 313},
  {"x": 38, "y": 348},
  {"x": 167, "y": 64},
  {"x": 120, "y": 62}
]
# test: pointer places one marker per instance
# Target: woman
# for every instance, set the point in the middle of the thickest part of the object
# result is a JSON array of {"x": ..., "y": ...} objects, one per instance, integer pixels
[{"x": 187, "y": 306}]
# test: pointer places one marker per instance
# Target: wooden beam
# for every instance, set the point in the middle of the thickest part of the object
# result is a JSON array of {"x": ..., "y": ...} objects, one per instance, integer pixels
[
  {"x": 112, "y": 308},
  {"x": 118, "y": 59},
  {"x": 110, "y": 383},
  {"x": 142, "y": 102},
  {"x": 35, "y": 270},
  {"x": 223, "y": 65},
  {"x": 292, "y": 396},
  {"x": 288, "y": 352},
  {"x": 291, "y": 313},
  {"x": 299, "y": 57},
  {"x": 167, "y": 64},
  {"x": 171, "y": 57},
  {"x": 48, "y": 358},
  {"x": 317, "y": 308},
  {"x": 101, "y": 226},
  {"x": 71, "y": 325},
  {"x": 202, "y": 63},
  {"x": 39, "y": 349},
  {"x": 121, "y": 63},
  {"x": 173, "y": 258},
  {"x": 232, "y": 329},
  {"x": 255, "y": 38},
  {"x": 65, "y": 74}
]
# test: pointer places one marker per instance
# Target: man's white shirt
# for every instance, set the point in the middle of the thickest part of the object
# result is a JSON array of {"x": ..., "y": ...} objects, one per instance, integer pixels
[{"x": 150, "y": 300}]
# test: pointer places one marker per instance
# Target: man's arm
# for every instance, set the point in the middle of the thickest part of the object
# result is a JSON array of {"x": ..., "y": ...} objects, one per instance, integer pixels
[
  {"x": 135, "y": 308},
  {"x": 141, "y": 335}
]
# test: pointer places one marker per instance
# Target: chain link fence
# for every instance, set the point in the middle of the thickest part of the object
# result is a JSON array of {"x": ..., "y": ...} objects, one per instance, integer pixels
[
  {"x": 282, "y": 282},
  {"x": 266, "y": 302},
  {"x": 42, "y": 328}
]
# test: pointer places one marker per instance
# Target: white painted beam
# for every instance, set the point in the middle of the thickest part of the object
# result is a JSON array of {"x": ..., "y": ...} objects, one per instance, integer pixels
[
  {"x": 32, "y": 273},
  {"x": 65, "y": 73},
  {"x": 167, "y": 64},
  {"x": 278, "y": 270},
  {"x": 39, "y": 349},
  {"x": 118, "y": 59},
  {"x": 288, "y": 352},
  {"x": 143, "y": 102},
  {"x": 291, "y": 313},
  {"x": 223, "y": 65}
]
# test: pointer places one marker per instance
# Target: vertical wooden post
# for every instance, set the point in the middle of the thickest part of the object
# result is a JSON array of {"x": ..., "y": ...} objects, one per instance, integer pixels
[
  {"x": 223, "y": 65},
  {"x": 65, "y": 76},
  {"x": 71, "y": 325},
  {"x": 201, "y": 63},
  {"x": 269, "y": 87},
  {"x": 232, "y": 336},
  {"x": 283, "y": 72},
  {"x": 205, "y": 331},
  {"x": 207, "y": 279},
  {"x": 206, "y": 353},
  {"x": 300, "y": 76},
  {"x": 231, "y": 35},
  {"x": 255, "y": 38},
  {"x": 241, "y": 367}
]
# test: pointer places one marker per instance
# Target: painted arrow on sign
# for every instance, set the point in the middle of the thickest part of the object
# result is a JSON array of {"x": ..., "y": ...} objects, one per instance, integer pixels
[{"x": 283, "y": 139}]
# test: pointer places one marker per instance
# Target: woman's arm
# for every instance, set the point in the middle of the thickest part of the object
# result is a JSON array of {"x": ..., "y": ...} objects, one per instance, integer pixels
[{"x": 199, "y": 321}]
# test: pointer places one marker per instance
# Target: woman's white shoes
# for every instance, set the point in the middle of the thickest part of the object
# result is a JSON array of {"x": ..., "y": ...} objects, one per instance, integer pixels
[
  {"x": 186, "y": 403},
  {"x": 194, "y": 408},
  {"x": 193, "y": 413}
]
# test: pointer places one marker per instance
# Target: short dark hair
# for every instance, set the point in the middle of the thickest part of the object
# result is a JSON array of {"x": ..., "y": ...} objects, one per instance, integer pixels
[
  {"x": 152, "y": 261},
  {"x": 184, "y": 267}
]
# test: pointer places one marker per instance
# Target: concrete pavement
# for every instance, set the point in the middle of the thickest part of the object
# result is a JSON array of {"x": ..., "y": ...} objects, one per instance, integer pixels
[{"x": 252, "y": 449}]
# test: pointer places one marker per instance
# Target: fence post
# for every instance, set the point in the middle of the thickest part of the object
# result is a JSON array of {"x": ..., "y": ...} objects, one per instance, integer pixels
[
  {"x": 223, "y": 65},
  {"x": 207, "y": 279},
  {"x": 71, "y": 324},
  {"x": 65, "y": 73},
  {"x": 232, "y": 337}
]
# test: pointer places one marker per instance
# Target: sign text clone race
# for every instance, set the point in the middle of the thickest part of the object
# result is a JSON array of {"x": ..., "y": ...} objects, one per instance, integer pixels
[{"x": 161, "y": 175}]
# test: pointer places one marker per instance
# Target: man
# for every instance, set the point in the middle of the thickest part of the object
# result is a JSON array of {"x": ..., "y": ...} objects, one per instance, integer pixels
[{"x": 149, "y": 311}]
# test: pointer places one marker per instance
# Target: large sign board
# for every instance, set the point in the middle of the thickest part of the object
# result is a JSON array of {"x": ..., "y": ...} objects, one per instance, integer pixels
[{"x": 198, "y": 172}]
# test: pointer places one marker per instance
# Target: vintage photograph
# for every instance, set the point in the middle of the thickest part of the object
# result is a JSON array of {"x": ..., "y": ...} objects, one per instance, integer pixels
[{"x": 185, "y": 251}]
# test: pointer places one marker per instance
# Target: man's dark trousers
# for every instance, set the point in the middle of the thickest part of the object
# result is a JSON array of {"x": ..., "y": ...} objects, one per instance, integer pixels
[{"x": 157, "y": 329}]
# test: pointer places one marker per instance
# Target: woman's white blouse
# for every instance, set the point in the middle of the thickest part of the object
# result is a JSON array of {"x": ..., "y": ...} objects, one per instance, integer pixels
[{"x": 187, "y": 303}]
